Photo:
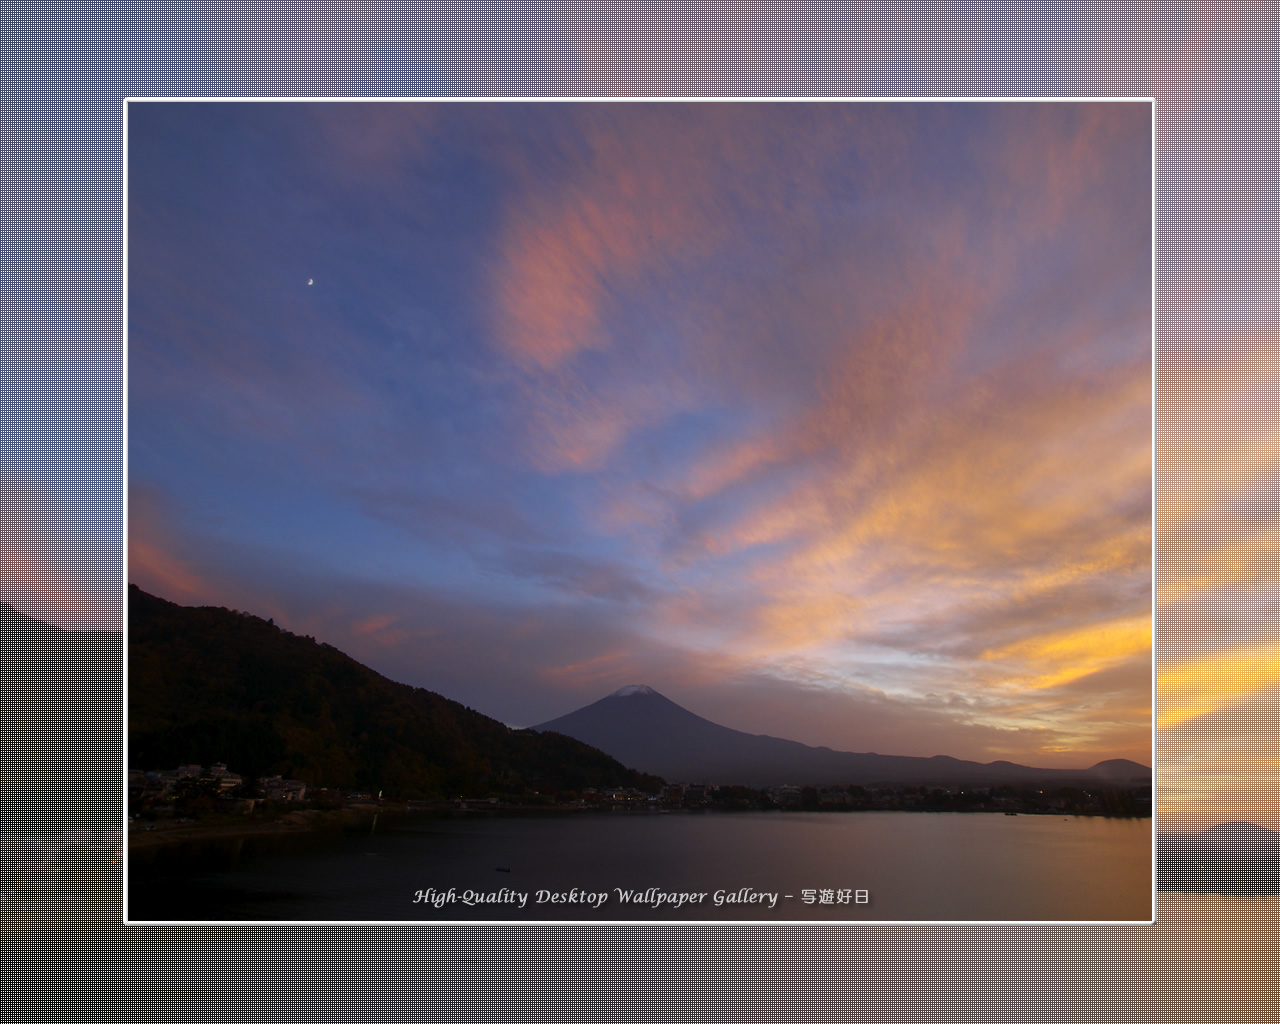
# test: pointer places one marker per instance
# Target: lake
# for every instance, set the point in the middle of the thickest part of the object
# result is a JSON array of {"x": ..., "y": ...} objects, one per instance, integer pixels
[{"x": 769, "y": 867}]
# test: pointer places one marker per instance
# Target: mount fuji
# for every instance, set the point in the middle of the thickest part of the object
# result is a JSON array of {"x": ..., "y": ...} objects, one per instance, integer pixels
[{"x": 644, "y": 730}]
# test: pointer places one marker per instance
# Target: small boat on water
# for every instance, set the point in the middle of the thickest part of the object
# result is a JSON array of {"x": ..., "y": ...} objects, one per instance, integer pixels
[{"x": 506, "y": 870}]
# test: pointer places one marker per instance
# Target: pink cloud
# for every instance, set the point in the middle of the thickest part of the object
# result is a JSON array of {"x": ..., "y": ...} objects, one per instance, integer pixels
[
  {"x": 43, "y": 547},
  {"x": 159, "y": 561}
]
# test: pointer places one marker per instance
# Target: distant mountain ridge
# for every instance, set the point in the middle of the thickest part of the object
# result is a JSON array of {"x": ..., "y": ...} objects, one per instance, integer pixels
[
  {"x": 1230, "y": 839},
  {"x": 32, "y": 651},
  {"x": 1237, "y": 859},
  {"x": 647, "y": 731}
]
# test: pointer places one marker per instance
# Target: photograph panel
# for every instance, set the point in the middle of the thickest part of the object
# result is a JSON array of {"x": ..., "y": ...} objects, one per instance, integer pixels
[{"x": 654, "y": 512}]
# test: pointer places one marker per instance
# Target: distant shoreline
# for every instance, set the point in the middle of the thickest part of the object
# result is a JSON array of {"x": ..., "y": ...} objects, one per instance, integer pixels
[{"x": 360, "y": 815}]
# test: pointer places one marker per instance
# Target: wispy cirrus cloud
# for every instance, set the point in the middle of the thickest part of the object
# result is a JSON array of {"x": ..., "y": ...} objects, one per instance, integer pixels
[{"x": 845, "y": 404}]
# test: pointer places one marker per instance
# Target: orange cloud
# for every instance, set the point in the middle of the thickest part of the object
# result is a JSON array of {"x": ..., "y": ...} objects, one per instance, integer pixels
[
  {"x": 925, "y": 500},
  {"x": 960, "y": 491},
  {"x": 1211, "y": 682},
  {"x": 802, "y": 621},
  {"x": 1055, "y": 658}
]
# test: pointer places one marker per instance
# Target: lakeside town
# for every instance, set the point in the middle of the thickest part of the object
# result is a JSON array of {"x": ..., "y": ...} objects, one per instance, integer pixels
[{"x": 190, "y": 793}]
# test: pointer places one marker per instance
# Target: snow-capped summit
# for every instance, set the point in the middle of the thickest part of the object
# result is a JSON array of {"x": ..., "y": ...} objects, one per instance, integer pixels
[{"x": 638, "y": 690}]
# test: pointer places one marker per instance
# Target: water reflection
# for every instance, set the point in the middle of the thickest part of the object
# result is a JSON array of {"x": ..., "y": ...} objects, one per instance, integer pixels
[{"x": 915, "y": 867}]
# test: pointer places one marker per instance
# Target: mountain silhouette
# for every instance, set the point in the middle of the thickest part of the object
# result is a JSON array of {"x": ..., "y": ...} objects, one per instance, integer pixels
[
  {"x": 646, "y": 731},
  {"x": 213, "y": 685},
  {"x": 1230, "y": 839},
  {"x": 63, "y": 692},
  {"x": 1237, "y": 859}
]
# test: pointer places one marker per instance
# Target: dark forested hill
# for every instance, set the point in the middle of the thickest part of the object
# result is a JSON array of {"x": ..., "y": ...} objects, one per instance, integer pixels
[{"x": 208, "y": 684}]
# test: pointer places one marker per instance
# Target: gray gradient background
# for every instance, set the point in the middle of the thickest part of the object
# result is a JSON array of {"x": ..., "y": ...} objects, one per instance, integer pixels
[{"x": 1211, "y": 70}]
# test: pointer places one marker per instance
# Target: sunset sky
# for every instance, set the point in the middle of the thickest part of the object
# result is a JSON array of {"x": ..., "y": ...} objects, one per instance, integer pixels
[{"x": 830, "y": 421}]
